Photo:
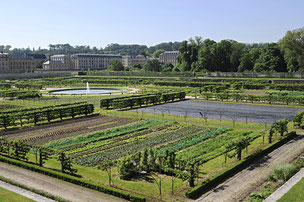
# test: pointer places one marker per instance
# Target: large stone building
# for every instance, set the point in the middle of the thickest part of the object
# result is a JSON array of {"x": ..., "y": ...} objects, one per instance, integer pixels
[
  {"x": 169, "y": 57},
  {"x": 20, "y": 64},
  {"x": 129, "y": 61},
  {"x": 58, "y": 62},
  {"x": 80, "y": 62},
  {"x": 4, "y": 62},
  {"x": 93, "y": 61}
]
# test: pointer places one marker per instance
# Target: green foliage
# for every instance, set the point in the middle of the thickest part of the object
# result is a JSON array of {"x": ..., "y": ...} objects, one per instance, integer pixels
[
  {"x": 16, "y": 117},
  {"x": 270, "y": 60},
  {"x": 284, "y": 171},
  {"x": 20, "y": 94},
  {"x": 157, "y": 53},
  {"x": 116, "y": 65},
  {"x": 127, "y": 168},
  {"x": 192, "y": 140},
  {"x": 298, "y": 119},
  {"x": 292, "y": 46},
  {"x": 152, "y": 65},
  {"x": 20, "y": 150},
  {"x": 66, "y": 164}
]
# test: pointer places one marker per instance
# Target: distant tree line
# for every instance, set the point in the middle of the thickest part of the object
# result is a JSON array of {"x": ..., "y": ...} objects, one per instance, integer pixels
[
  {"x": 230, "y": 56},
  {"x": 287, "y": 55},
  {"x": 67, "y": 49}
]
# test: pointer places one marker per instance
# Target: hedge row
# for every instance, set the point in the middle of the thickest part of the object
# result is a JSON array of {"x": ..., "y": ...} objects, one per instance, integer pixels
[
  {"x": 149, "y": 99},
  {"x": 107, "y": 103},
  {"x": 38, "y": 115},
  {"x": 32, "y": 109},
  {"x": 223, "y": 175},
  {"x": 20, "y": 93},
  {"x": 28, "y": 86},
  {"x": 282, "y": 99},
  {"x": 130, "y": 102},
  {"x": 78, "y": 181}
]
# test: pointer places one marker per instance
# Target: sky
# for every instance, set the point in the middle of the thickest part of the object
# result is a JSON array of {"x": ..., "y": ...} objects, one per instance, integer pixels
[{"x": 38, "y": 23}]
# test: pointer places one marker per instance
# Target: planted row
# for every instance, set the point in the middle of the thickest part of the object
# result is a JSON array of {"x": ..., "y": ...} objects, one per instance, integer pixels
[{"x": 130, "y": 148}]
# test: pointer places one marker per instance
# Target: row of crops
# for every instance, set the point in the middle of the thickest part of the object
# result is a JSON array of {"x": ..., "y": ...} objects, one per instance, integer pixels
[{"x": 187, "y": 141}]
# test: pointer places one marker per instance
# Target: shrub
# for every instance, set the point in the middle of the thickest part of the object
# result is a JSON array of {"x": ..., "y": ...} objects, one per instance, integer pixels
[{"x": 284, "y": 171}]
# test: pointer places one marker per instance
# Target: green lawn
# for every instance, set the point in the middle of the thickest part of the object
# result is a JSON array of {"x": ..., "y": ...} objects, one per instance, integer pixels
[
  {"x": 296, "y": 193},
  {"x": 9, "y": 196}
]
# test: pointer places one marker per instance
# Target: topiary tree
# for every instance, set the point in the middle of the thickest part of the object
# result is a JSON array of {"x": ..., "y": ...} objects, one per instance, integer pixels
[
  {"x": 66, "y": 163},
  {"x": 240, "y": 144},
  {"x": 281, "y": 126},
  {"x": 20, "y": 150},
  {"x": 298, "y": 119}
]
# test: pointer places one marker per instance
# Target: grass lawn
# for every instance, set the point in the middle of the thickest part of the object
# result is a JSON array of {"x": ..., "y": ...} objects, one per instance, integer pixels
[
  {"x": 296, "y": 193},
  {"x": 9, "y": 196}
]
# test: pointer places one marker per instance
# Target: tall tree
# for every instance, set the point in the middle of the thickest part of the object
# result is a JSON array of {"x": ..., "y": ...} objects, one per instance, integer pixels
[
  {"x": 116, "y": 65},
  {"x": 152, "y": 65},
  {"x": 292, "y": 45},
  {"x": 157, "y": 53},
  {"x": 270, "y": 60}
]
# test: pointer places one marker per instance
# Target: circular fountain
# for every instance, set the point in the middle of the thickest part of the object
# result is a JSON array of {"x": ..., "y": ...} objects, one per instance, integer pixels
[{"x": 86, "y": 91}]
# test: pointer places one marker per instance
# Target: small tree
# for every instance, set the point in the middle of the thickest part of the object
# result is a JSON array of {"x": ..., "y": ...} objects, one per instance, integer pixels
[
  {"x": 271, "y": 133},
  {"x": 116, "y": 65},
  {"x": 44, "y": 154},
  {"x": 281, "y": 126},
  {"x": 107, "y": 166},
  {"x": 228, "y": 147},
  {"x": 298, "y": 119},
  {"x": 145, "y": 161},
  {"x": 5, "y": 145},
  {"x": 20, "y": 150},
  {"x": 193, "y": 172},
  {"x": 152, "y": 65},
  {"x": 240, "y": 144},
  {"x": 66, "y": 164}
]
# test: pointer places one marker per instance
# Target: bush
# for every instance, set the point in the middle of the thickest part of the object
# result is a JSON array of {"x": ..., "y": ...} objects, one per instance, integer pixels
[{"x": 284, "y": 171}]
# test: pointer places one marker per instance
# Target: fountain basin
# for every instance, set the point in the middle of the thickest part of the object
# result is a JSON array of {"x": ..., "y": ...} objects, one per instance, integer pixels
[{"x": 85, "y": 91}]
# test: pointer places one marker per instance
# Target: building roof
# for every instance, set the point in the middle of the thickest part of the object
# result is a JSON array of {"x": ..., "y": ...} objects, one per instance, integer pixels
[
  {"x": 96, "y": 55},
  {"x": 29, "y": 57},
  {"x": 170, "y": 53},
  {"x": 61, "y": 55},
  {"x": 52, "y": 62},
  {"x": 36, "y": 56}
]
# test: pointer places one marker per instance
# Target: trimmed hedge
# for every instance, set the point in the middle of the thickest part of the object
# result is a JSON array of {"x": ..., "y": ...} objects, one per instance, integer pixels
[
  {"x": 35, "y": 115},
  {"x": 223, "y": 175},
  {"x": 139, "y": 100},
  {"x": 68, "y": 178}
]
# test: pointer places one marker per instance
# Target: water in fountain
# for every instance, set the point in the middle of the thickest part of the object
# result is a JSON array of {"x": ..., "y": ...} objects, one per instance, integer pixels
[{"x": 88, "y": 88}]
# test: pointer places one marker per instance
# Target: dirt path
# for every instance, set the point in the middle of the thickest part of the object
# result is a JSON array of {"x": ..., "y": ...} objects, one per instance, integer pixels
[
  {"x": 239, "y": 186},
  {"x": 53, "y": 186},
  {"x": 24, "y": 192}
]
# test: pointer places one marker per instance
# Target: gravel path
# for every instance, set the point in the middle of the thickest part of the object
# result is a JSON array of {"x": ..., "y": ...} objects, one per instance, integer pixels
[
  {"x": 226, "y": 111},
  {"x": 26, "y": 193},
  {"x": 53, "y": 186},
  {"x": 238, "y": 187}
]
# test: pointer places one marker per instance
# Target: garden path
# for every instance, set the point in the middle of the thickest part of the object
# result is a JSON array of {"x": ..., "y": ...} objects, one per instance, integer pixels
[
  {"x": 238, "y": 187},
  {"x": 56, "y": 187}
]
